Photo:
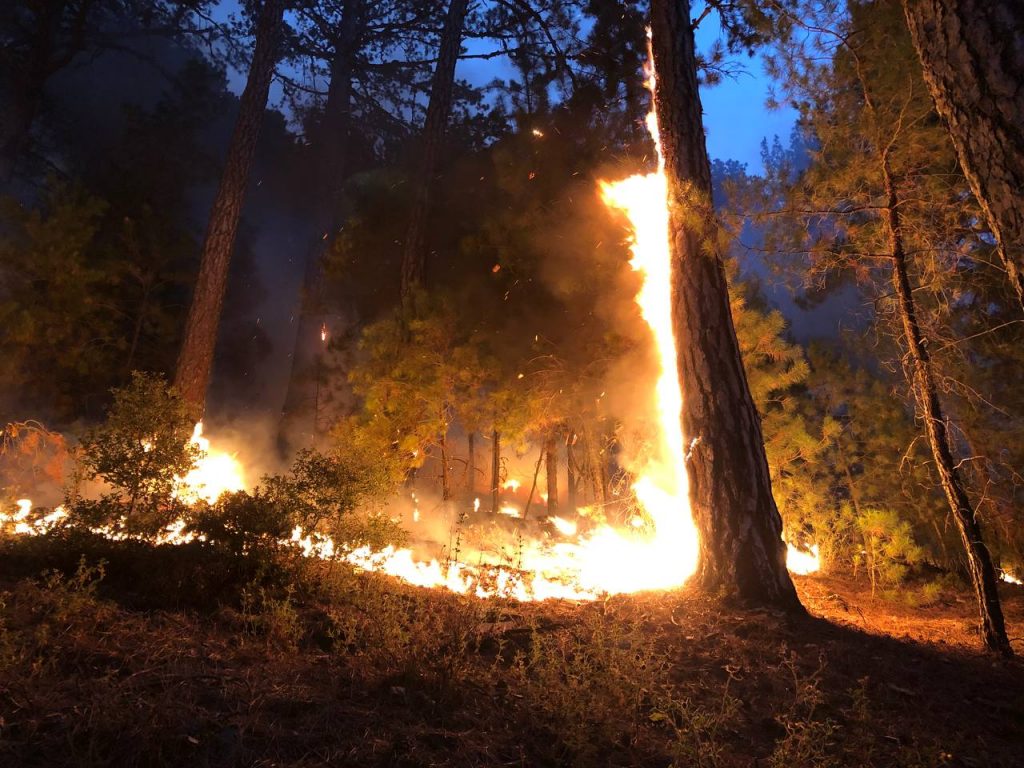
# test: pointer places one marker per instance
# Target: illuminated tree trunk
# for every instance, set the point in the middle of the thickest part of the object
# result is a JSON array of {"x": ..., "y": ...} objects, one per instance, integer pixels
[
  {"x": 495, "y": 472},
  {"x": 414, "y": 251},
  {"x": 196, "y": 358},
  {"x": 571, "y": 474},
  {"x": 742, "y": 554},
  {"x": 972, "y": 55},
  {"x": 551, "y": 470},
  {"x": 471, "y": 465},
  {"x": 979, "y": 563},
  {"x": 446, "y": 485}
]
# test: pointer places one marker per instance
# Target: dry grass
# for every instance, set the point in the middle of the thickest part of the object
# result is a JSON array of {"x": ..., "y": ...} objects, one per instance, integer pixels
[{"x": 350, "y": 669}]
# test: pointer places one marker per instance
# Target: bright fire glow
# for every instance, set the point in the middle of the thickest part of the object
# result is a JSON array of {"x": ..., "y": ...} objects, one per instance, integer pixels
[
  {"x": 802, "y": 561},
  {"x": 215, "y": 472},
  {"x": 1009, "y": 578}
]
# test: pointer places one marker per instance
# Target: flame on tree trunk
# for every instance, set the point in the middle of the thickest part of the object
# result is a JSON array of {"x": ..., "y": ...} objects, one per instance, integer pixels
[
  {"x": 979, "y": 563},
  {"x": 195, "y": 361},
  {"x": 972, "y": 58},
  {"x": 414, "y": 252},
  {"x": 742, "y": 554}
]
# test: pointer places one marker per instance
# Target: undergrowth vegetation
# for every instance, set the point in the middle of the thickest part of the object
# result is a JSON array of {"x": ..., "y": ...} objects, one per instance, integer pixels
[{"x": 310, "y": 662}]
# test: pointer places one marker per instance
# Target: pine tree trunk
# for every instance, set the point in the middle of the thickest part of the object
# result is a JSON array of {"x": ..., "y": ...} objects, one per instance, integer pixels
[
  {"x": 495, "y": 472},
  {"x": 551, "y": 471},
  {"x": 972, "y": 55},
  {"x": 196, "y": 358},
  {"x": 446, "y": 484},
  {"x": 16, "y": 120},
  {"x": 741, "y": 550},
  {"x": 471, "y": 465},
  {"x": 979, "y": 563},
  {"x": 571, "y": 474},
  {"x": 334, "y": 148},
  {"x": 414, "y": 251}
]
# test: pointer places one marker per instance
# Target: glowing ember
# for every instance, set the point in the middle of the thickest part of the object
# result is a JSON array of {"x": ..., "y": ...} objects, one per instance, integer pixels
[
  {"x": 1009, "y": 578},
  {"x": 801, "y": 561},
  {"x": 215, "y": 473}
]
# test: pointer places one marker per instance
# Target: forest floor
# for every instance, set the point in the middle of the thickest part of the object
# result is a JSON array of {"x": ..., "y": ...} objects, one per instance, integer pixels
[{"x": 354, "y": 669}]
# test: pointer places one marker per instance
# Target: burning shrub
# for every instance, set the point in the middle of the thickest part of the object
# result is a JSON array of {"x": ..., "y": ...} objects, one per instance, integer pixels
[{"x": 139, "y": 451}]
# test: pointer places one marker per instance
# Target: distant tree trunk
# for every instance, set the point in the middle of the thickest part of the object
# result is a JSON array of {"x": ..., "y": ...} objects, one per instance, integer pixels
[
  {"x": 570, "y": 472},
  {"x": 551, "y": 471},
  {"x": 741, "y": 549},
  {"x": 495, "y": 472},
  {"x": 414, "y": 251},
  {"x": 446, "y": 485},
  {"x": 972, "y": 55},
  {"x": 979, "y": 563},
  {"x": 22, "y": 106},
  {"x": 196, "y": 358},
  {"x": 333, "y": 142},
  {"x": 471, "y": 464}
]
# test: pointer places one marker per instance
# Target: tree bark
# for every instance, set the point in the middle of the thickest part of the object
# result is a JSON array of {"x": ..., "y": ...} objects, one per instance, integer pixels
[
  {"x": 972, "y": 56},
  {"x": 571, "y": 473},
  {"x": 551, "y": 471},
  {"x": 471, "y": 465},
  {"x": 414, "y": 251},
  {"x": 495, "y": 472},
  {"x": 741, "y": 550},
  {"x": 334, "y": 140},
  {"x": 979, "y": 563},
  {"x": 196, "y": 359}
]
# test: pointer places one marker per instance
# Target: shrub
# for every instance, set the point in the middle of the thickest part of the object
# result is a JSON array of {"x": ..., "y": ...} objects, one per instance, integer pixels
[
  {"x": 889, "y": 548},
  {"x": 139, "y": 450}
]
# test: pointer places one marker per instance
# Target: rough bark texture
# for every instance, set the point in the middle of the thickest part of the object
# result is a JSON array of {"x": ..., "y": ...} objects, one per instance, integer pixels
[
  {"x": 972, "y": 55},
  {"x": 551, "y": 471},
  {"x": 196, "y": 359},
  {"x": 979, "y": 563},
  {"x": 742, "y": 554},
  {"x": 414, "y": 250}
]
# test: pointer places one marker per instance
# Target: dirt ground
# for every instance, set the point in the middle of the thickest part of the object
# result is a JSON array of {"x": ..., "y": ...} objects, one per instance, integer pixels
[{"x": 369, "y": 672}]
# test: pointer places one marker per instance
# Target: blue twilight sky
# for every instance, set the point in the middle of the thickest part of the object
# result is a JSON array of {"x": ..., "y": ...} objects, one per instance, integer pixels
[{"x": 735, "y": 115}]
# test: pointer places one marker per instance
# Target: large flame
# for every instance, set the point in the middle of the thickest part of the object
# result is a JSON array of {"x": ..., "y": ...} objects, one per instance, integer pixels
[{"x": 214, "y": 473}]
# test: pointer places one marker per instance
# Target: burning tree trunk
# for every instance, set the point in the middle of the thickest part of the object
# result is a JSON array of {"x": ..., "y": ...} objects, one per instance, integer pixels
[
  {"x": 551, "y": 470},
  {"x": 414, "y": 253},
  {"x": 979, "y": 563},
  {"x": 495, "y": 472},
  {"x": 741, "y": 549},
  {"x": 973, "y": 63},
  {"x": 196, "y": 359}
]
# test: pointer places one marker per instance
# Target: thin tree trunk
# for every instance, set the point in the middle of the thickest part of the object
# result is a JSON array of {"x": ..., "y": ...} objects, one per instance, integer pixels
[
  {"x": 551, "y": 471},
  {"x": 972, "y": 56},
  {"x": 533, "y": 487},
  {"x": 979, "y": 563},
  {"x": 414, "y": 251},
  {"x": 16, "y": 126},
  {"x": 196, "y": 359},
  {"x": 334, "y": 143},
  {"x": 471, "y": 465},
  {"x": 495, "y": 472},
  {"x": 446, "y": 486},
  {"x": 570, "y": 472},
  {"x": 741, "y": 549}
]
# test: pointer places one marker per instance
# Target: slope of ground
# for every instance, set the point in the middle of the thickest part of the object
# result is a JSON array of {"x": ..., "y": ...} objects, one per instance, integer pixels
[{"x": 354, "y": 669}]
